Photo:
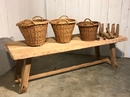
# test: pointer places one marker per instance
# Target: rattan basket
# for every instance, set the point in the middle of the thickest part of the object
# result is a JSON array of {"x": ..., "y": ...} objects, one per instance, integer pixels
[
  {"x": 34, "y": 31},
  {"x": 88, "y": 29},
  {"x": 63, "y": 28}
]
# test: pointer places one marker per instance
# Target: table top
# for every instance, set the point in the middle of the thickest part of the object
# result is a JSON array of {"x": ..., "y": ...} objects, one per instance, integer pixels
[{"x": 20, "y": 50}]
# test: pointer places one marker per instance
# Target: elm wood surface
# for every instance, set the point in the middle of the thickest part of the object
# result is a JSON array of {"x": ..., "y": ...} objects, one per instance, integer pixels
[
  {"x": 23, "y": 54},
  {"x": 20, "y": 50}
]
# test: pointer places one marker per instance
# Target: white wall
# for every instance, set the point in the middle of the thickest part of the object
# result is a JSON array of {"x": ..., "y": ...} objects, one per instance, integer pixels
[
  {"x": 13, "y": 11},
  {"x": 105, "y": 11}
]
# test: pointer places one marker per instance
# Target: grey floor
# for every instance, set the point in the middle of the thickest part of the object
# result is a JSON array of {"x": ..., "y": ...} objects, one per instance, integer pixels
[{"x": 95, "y": 81}]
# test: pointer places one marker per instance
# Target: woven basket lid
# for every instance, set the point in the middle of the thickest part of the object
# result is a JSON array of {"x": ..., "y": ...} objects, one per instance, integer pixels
[
  {"x": 89, "y": 23},
  {"x": 37, "y": 20},
  {"x": 63, "y": 20}
]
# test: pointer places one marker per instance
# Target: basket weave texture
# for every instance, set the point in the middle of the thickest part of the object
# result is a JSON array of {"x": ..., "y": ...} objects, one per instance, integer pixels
[
  {"x": 34, "y": 31},
  {"x": 63, "y": 28},
  {"x": 88, "y": 29}
]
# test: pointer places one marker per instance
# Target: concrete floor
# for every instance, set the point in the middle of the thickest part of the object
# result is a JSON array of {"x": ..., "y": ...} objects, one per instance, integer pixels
[{"x": 95, "y": 81}]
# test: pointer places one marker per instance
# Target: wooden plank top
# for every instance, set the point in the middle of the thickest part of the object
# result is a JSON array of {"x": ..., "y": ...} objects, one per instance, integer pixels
[{"x": 20, "y": 50}]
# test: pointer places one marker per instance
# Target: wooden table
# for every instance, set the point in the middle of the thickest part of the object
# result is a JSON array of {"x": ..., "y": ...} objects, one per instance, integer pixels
[{"x": 23, "y": 54}]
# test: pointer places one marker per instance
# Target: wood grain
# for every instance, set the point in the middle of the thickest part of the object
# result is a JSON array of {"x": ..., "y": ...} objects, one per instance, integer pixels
[{"x": 19, "y": 49}]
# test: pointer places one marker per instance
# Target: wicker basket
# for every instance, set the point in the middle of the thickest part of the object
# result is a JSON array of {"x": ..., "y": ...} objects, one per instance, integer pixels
[
  {"x": 88, "y": 29},
  {"x": 34, "y": 31},
  {"x": 63, "y": 28}
]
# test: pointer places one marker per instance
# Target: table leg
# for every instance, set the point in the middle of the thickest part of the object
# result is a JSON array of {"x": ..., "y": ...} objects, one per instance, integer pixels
[
  {"x": 98, "y": 56},
  {"x": 113, "y": 55},
  {"x": 25, "y": 75},
  {"x": 97, "y": 51},
  {"x": 19, "y": 65}
]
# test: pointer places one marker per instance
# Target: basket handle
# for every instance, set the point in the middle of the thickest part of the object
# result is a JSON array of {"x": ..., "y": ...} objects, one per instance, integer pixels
[
  {"x": 34, "y": 18},
  {"x": 64, "y": 16},
  {"x": 89, "y": 21}
]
